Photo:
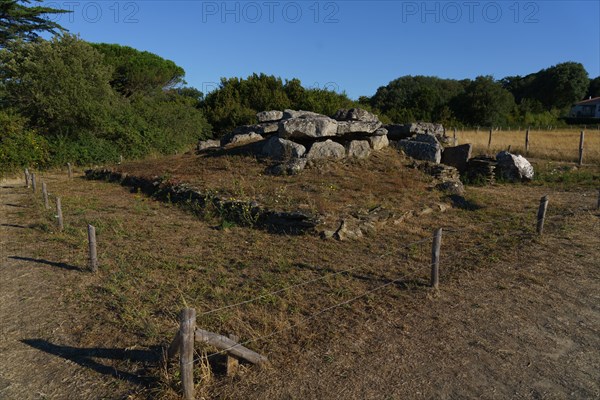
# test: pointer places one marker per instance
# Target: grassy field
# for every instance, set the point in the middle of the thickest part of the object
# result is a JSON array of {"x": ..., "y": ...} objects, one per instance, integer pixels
[
  {"x": 318, "y": 309},
  {"x": 555, "y": 145}
]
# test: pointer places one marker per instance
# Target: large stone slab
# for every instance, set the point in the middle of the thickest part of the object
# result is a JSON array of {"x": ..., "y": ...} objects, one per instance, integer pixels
[
  {"x": 379, "y": 142},
  {"x": 351, "y": 127},
  {"x": 420, "y": 150},
  {"x": 282, "y": 149},
  {"x": 239, "y": 139},
  {"x": 457, "y": 156},
  {"x": 358, "y": 149},
  {"x": 513, "y": 167},
  {"x": 326, "y": 149},
  {"x": 288, "y": 114},
  {"x": 355, "y": 114},
  {"x": 269, "y": 116},
  {"x": 208, "y": 144},
  {"x": 308, "y": 127}
]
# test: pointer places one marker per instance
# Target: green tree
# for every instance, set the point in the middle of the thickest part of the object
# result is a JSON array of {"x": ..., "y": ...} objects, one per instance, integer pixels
[
  {"x": 139, "y": 71},
  {"x": 485, "y": 102},
  {"x": 61, "y": 85},
  {"x": 594, "y": 87},
  {"x": 19, "y": 21}
]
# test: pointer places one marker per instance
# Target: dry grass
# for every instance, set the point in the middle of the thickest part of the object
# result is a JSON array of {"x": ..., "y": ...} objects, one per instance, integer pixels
[
  {"x": 557, "y": 145},
  {"x": 156, "y": 259}
]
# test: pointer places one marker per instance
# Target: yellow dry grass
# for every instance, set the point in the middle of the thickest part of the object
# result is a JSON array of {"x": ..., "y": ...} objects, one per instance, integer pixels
[{"x": 557, "y": 145}]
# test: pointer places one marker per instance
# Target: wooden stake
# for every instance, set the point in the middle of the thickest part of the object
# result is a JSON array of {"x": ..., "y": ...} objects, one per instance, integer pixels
[
  {"x": 527, "y": 141},
  {"x": 232, "y": 362},
  {"x": 45, "y": 195},
  {"x": 186, "y": 354},
  {"x": 59, "y": 214},
  {"x": 27, "y": 177},
  {"x": 92, "y": 248},
  {"x": 490, "y": 140},
  {"x": 541, "y": 215},
  {"x": 581, "y": 136},
  {"x": 33, "y": 184},
  {"x": 69, "y": 170},
  {"x": 435, "y": 258}
]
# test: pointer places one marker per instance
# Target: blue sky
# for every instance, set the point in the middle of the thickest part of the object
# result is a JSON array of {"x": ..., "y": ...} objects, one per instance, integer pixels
[{"x": 352, "y": 46}]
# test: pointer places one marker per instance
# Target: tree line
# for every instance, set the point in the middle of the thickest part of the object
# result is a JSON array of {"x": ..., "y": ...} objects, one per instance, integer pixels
[{"x": 67, "y": 100}]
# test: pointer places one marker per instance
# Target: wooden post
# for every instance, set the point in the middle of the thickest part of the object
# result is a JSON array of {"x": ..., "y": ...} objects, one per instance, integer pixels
[
  {"x": 435, "y": 258},
  {"x": 232, "y": 362},
  {"x": 187, "y": 328},
  {"x": 92, "y": 248},
  {"x": 490, "y": 140},
  {"x": 581, "y": 136},
  {"x": 27, "y": 177},
  {"x": 45, "y": 195},
  {"x": 33, "y": 184},
  {"x": 69, "y": 170},
  {"x": 541, "y": 215},
  {"x": 527, "y": 141},
  {"x": 59, "y": 214},
  {"x": 598, "y": 205}
]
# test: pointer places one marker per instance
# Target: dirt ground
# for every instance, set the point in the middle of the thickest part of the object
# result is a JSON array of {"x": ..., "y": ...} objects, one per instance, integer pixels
[{"x": 518, "y": 320}]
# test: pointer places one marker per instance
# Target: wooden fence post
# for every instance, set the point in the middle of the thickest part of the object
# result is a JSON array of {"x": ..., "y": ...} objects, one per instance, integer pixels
[
  {"x": 490, "y": 140},
  {"x": 92, "y": 248},
  {"x": 33, "y": 184},
  {"x": 45, "y": 195},
  {"x": 598, "y": 205},
  {"x": 187, "y": 329},
  {"x": 527, "y": 141},
  {"x": 435, "y": 258},
  {"x": 27, "y": 177},
  {"x": 69, "y": 170},
  {"x": 232, "y": 362},
  {"x": 541, "y": 215},
  {"x": 581, "y": 136},
  {"x": 59, "y": 214}
]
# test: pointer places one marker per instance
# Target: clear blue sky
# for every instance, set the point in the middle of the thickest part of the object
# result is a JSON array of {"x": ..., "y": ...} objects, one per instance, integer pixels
[{"x": 355, "y": 46}]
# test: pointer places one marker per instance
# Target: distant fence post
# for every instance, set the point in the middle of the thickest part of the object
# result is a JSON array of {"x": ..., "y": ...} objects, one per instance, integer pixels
[
  {"x": 527, "y": 141},
  {"x": 581, "y": 136},
  {"x": 27, "y": 177},
  {"x": 69, "y": 170},
  {"x": 92, "y": 248},
  {"x": 435, "y": 258},
  {"x": 541, "y": 215},
  {"x": 45, "y": 195},
  {"x": 33, "y": 184},
  {"x": 187, "y": 330},
  {"x": 490, "y": 139},
  {"x": 59, "y": 214}
]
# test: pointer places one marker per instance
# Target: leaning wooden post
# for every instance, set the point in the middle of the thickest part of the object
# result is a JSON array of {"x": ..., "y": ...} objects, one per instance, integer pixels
[
  {"x": 581, "y": 136},
  {"x": 527, "y": 141},
  {"x": 541, "y": 215},
  {"x": 27, "y": 177},
  {"x": 59, "y": 214},
  {"x": 490, "y": 140},
  {"x": 187, "y": 329},
  {"x": 435, "y": 258},
  {"x": 33, "y": 184},
  {"x": 69, "y": 170},
  {"x": 45, "y": 195},
  {"x": 92, "y": 248}
]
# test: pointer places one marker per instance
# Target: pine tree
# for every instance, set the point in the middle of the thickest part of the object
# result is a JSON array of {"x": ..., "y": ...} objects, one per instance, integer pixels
[{"x": 19, "y": 20}]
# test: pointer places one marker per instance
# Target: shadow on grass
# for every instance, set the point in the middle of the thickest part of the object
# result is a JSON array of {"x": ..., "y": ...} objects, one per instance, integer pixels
[
  {"x": 407, "y": 283},
  {"x": 85, "y": 357},
  {"x": 14, "y": 226},
  {"x": 46, "y": 262}
]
